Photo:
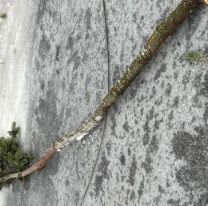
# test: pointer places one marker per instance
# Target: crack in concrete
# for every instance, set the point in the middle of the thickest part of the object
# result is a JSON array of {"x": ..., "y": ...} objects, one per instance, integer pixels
[{"x": 105, "y": 121}]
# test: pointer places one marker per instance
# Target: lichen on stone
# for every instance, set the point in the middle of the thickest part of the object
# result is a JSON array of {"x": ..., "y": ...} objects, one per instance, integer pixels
[
  {"x": 195, "y": 57},
  {"x": 12, "y": 157}
]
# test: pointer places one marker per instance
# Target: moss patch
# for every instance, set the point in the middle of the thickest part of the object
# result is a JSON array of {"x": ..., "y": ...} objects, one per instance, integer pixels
[
  {"x": 12, "y": 157},
  {"x": 3, "y": 16},
  {"x": 195, "y": 57}
]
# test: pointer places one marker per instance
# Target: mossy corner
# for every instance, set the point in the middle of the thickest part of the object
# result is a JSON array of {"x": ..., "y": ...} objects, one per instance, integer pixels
[{"x": 13, "y": 158}]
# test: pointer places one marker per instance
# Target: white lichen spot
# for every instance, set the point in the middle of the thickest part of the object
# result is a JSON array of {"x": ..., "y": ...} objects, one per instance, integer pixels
[
  {"x": 98, "y": 118},
  {"x": 80, "y": 137},
  {"x": 143, "y": 52}
]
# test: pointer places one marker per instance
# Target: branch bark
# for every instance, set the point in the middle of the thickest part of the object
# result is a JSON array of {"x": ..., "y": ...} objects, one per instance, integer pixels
[{"x": 160, "y": 34}]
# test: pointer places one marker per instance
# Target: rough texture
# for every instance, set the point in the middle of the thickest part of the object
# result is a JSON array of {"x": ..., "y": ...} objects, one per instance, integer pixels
[{"x": 152, "y": 147}]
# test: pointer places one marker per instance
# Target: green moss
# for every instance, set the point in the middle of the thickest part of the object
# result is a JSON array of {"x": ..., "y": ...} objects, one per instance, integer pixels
[
  {"x": 12, "y": 157},
  {"x": 195, "y": 57}
]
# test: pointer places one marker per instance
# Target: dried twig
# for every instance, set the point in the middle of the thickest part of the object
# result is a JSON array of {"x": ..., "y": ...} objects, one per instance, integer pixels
[{"x": 161, "y": 33}]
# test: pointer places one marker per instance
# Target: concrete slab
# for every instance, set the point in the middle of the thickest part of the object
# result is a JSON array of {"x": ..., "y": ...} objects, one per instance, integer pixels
[{"x": 151, "y": 149}]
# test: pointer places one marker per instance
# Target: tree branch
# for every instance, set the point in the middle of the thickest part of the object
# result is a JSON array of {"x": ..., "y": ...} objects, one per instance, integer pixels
[{"x": 160, "y": 34}]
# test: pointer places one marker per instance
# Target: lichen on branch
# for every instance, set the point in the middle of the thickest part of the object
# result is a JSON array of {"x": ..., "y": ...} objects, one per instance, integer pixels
[
  {"x": 161, "y": 33},
  {"x": 163, "y": 30}
]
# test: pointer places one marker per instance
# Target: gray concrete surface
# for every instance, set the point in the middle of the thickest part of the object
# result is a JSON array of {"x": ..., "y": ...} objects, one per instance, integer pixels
[{"x": 152, "y": 149}]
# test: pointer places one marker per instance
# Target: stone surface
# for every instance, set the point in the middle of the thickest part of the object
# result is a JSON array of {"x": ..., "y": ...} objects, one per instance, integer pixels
[{"x": 152, "y": 148}]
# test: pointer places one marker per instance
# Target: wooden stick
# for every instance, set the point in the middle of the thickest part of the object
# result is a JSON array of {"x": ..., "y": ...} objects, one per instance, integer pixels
[{"x": 166, "y": 28}]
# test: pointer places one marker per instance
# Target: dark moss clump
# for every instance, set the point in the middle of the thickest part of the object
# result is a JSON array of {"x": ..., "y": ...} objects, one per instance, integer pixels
[
  {"x": 3, "y": 16},
  {"x": 12, "y": 157}
]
